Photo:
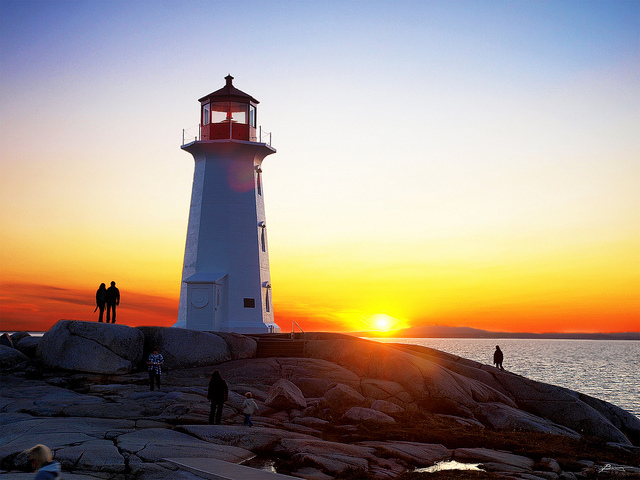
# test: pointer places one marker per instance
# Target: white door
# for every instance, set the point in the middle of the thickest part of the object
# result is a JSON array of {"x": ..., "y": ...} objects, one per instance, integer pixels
[{"x": 201, "y": 298}]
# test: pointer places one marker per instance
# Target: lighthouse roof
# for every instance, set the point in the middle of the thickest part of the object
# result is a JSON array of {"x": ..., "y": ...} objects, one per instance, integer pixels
[{"x": 229, "y": 92}]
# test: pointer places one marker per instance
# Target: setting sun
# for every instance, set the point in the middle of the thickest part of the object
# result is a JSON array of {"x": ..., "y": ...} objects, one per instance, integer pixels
[{"x": 383, "y": 322}]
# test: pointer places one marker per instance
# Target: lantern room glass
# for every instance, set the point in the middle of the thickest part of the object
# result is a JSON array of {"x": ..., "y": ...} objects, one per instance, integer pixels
[{"x": 229, "y": 111}]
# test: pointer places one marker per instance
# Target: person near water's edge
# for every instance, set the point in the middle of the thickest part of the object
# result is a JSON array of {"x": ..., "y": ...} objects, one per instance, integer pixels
[
  {"x": 217, "y": 393},
  {"x": 498, "y": 357},
  {"x": 113, "y": 299},
  {"x": 101, "y": 299}
]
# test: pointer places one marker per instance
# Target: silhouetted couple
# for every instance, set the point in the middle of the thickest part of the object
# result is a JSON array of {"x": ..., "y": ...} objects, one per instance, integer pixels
[{"x": 109, "y": 297}]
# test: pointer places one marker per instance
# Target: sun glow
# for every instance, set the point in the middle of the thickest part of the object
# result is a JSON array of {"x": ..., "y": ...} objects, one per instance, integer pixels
[{"x": 383, "y": 322}]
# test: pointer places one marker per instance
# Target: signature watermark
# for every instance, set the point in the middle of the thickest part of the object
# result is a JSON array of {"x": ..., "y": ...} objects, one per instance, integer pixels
[{"x": 608, "y": 468}]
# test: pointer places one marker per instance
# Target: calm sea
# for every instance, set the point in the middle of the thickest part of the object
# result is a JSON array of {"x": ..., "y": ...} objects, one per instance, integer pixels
[{"x": 605, "y": 369}]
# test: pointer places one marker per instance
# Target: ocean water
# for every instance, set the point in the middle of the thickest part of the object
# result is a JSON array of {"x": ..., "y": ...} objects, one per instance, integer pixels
[{"x": 605, "y": 369}]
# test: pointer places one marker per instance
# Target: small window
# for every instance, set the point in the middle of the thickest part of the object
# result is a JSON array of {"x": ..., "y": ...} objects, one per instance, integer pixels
[
  {"x": 249, "y": 303},
  {"x": 205, "y": 114},
  {"x": 267, "y": 301},
  {"x": 252, "y": 116}
]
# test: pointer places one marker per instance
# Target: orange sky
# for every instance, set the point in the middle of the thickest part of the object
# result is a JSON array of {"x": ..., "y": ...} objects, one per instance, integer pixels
[{"x": 456, "y": 163}]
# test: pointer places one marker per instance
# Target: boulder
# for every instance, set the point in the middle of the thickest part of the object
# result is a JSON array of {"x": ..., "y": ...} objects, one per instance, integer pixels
[
  {"x": 10, "y": 357},
  {"x": 342, "y": 396},
  {"x": 386, "y": 407},
  {"x": 313, "y": 387},
  {"x": 6, "y": 341},
  {"x": 17, "y": 336},
  {"x": 357, "y": 415},
  {"x": 91, "y": 347},
  {"x": 550, "y": 464},
  {"x": 29, "y": 345},
  {"x": 240, "y": 346},
  {"x": 182, "y": 348},
  {"x": 284, "y": 395}
]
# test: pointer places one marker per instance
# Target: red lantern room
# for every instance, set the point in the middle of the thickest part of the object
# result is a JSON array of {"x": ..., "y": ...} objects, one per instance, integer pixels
[{"x": 228, "y": 113}]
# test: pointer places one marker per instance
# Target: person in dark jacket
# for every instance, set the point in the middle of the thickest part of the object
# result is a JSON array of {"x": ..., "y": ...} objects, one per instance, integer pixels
[
  {"x": 498, "y": 357},
  {"x": 101, "y": 299},
  {"x": 218, "y": 393},
  {"x": 42, "y": 463},
  {"x": 113, "y": 299}
]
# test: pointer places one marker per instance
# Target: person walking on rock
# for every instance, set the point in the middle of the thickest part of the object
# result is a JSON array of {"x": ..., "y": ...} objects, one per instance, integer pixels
[
  {"x": 113, "y": 299},
  {"x": 101, "y": 300},
  {"x": 42, "y": 463},
  {"x": 155, "y": 362},
  {"x": 218, "y": 393},
  {"x": 498, "y": 357},
  {"x": 249, "y": 407}
]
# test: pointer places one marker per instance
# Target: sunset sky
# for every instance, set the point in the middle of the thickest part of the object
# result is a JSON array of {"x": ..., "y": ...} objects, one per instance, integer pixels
[{"x": 463, "y": 163}]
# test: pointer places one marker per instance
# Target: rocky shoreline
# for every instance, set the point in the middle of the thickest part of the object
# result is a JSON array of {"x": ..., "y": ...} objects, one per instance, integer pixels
[{"x": 349, "y": 409}]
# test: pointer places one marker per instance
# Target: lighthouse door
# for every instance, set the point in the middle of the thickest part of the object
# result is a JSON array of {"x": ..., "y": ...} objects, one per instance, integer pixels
[{"x": 202, "y": 301}]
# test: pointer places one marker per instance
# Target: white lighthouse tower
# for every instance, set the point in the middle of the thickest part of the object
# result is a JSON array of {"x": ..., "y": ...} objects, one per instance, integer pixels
[{"x": 226, "y": 284}]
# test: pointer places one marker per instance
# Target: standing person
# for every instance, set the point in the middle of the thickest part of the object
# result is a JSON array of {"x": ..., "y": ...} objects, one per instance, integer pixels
[
  {"x": 498, "y": 357},
  {"x": 218, "y": 393},
  {"x": 113, "y": 299},
  {"x": 42, "y": 463},
  {"x": 155, "y": 362},
  {"x": 101, "y": 299},
  {"x": 249, "y": 406}
]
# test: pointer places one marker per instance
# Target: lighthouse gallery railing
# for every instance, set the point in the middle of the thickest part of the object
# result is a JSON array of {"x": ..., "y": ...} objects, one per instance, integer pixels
[{"x": 193, "y": 134}]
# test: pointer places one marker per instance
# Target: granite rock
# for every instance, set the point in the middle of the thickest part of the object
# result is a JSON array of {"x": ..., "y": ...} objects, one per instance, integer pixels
[
  {"x": 284, "y": 395},
  {"x": 11, "y": 358},
  {"x": 91, "y": 347},
  {"x": 183, "y": 348},
  {"x": 361, "y": 415}
]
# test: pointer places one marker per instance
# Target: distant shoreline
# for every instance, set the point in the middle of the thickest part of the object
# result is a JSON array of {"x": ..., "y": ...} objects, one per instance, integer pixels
[{"x": 465, "y": 332}]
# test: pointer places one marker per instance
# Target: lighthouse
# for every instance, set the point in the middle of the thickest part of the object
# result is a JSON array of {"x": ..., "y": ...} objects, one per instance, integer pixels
[{"x": 226, "y": 282}]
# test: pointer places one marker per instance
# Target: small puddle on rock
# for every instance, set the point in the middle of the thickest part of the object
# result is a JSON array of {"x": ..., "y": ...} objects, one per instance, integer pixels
[
  {"x": 260, "y": 463},
  {"x": 449, "y": 465}
]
